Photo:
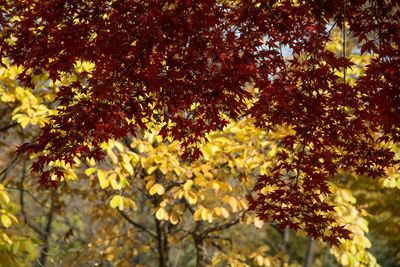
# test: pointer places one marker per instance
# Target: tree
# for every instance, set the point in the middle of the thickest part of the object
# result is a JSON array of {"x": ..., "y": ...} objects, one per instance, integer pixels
[
  {"x": 143, "y": 204},
  {"x": 184, "y": 65},
  {"x": 145, "y": 197}
]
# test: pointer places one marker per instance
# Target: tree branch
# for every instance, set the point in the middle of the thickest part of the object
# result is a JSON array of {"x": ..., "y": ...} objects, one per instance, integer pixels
[
  {"x": 5, "y": 128},
  {"x": 137, "y": 225},
  {"x": 4, "y": 172},
  {"x": 47, "y": 234},
  {"x": 21, "y": 200},
  {"x": 222, "y": 226}
]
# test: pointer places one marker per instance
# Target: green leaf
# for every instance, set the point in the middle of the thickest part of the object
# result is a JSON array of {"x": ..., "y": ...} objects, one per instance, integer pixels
[
  {"x": 15, "y": 247},
  {"x": 30, "y": 247}
]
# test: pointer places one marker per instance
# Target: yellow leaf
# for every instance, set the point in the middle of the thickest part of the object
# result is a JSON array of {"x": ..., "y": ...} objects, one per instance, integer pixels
[
  {"x": 389, "y": 182},
  {"x": 101, "y": 174},
  {"x": 6, "y": 220},
  {"x": 249, "y": 220},
  {"x": 188, "y": 185},
  {"x": 151, "y": 169},
  {"x": 117, "y": 201},
  {"x": 130, "y": 202},
  {"x": 344, "y": 259},
  {"x": 258, "y": 223},
  {"x": 119, "y": 146},
  {"x": 104, "y": 182},
  {"x": 174, "y": 218},
  {"x": 128, "y": 167},
  {"x": 206, "y": 153},
  {"x": 5, "y": 196},
  {"x": 217, "y": 211},
  {"x": 124, "y": 183},
  {"x": 164, "y": 202},
  {"x": 243, "y": 204},
  {"x": 113, "y": 181},
  {"x": 209, "y": 217},
  {"x": 112, "y": 156},
  {"x": 151, "y": 182},
  {"x": 259, "y": 260},
  {"x": 177, "y": 171},
  {"x": 233, "y": 203},
  {"x": 140, "y": 148},
  {"x": 204, "y": 214},
  {"x": 191, "y": 197},
  {"x": 90, "y": 171},
  {"x": 164, "y": 168},
  {"x": 8, "y": 97},
  {"x": 92, "y": 162},
  {"x": 215, "y": 185},
  {"x": 24, "y": 122},
  {"x": 197, "y": 214},
  {"x": 160, "y": 214},
  {"x": 179, "y": 194},
  {"x": 121, "y": 203},
  {"x": 16, "y": 220},
  {"x": 157, "y": 188},
  {"x": 224, "y": 212},
  {"x": 134, "y": 157},
  {"x": 5, "y": 237}
]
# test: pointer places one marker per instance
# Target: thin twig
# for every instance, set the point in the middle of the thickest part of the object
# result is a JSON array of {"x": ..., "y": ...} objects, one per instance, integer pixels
[
  {"x": 3, "y": 173},
  {"x": 21, "y": 200}
]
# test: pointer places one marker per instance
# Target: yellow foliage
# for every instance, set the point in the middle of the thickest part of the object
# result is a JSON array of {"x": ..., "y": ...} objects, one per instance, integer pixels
[{"x": 157, "y": 189}]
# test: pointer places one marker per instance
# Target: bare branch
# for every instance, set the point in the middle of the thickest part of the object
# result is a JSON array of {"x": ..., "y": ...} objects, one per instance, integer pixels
[{"x": 137, "y": 225}]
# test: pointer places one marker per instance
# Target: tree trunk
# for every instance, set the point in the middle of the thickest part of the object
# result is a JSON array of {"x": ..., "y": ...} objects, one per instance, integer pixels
[
  {"x": 162, "y": 236},
  {"x": 46, "y": 237},
  {"x": 286, "y": 245},
  {"x": 203, "y": 259},
  {"x": 310, "y": 253}
]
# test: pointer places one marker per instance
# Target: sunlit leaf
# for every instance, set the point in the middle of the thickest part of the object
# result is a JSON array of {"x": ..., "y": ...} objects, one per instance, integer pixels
[
  {"x": 6, "y": 220},
  {"x": 157, "y": 189}
]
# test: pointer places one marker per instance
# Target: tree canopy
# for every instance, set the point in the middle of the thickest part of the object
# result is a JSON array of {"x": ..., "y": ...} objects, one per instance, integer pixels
[{"x": 190, "y": 67}]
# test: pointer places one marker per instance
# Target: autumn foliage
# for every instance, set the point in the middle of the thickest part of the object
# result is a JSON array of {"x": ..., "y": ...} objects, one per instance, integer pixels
[{"x": 185, "y": 65}]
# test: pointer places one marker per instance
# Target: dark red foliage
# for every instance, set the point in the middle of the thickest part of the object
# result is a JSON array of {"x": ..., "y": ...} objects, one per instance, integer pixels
[{"x": 155, "y": 59}]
